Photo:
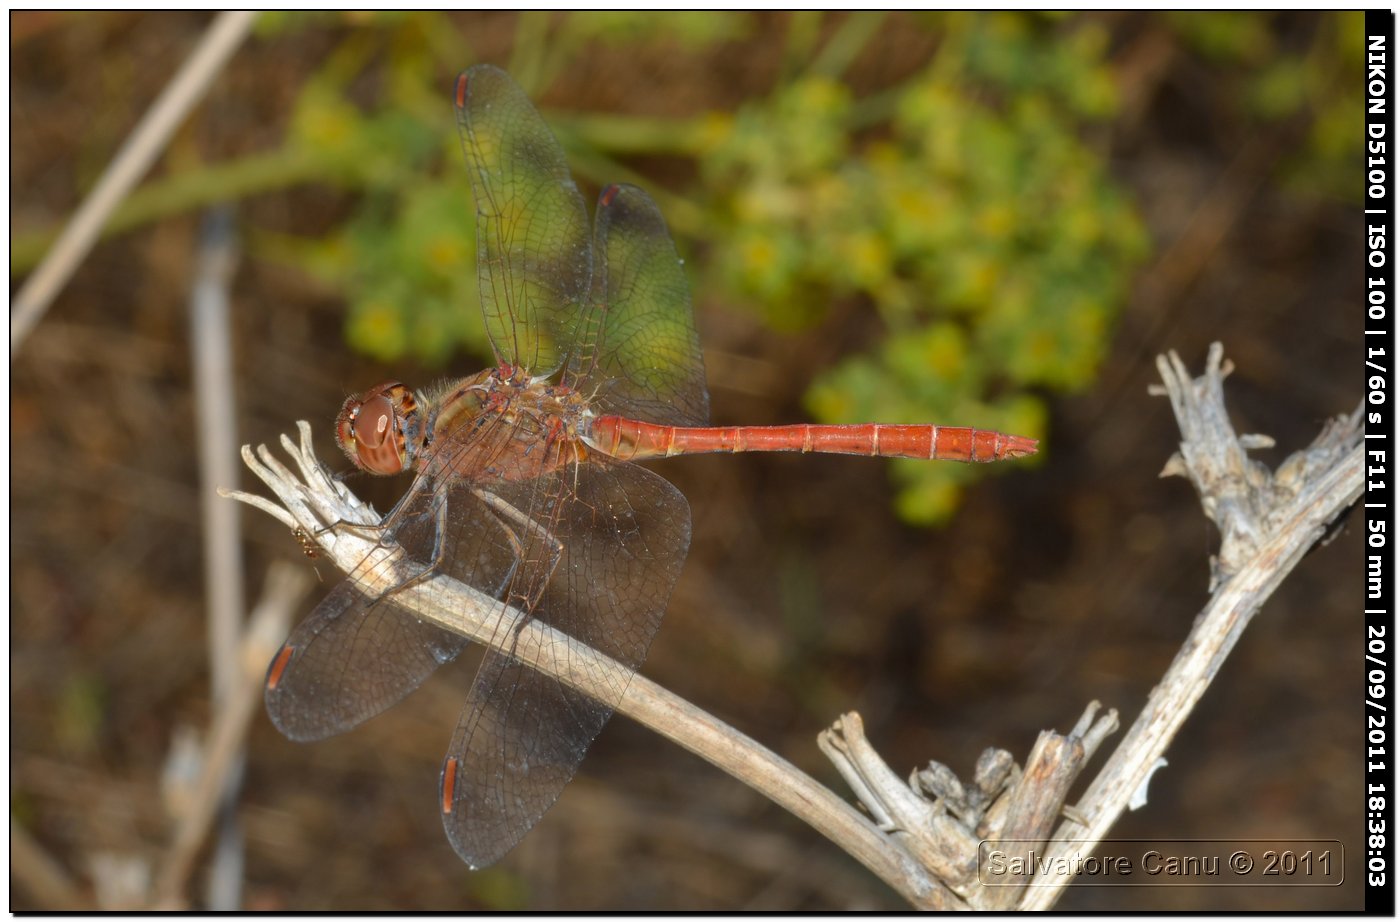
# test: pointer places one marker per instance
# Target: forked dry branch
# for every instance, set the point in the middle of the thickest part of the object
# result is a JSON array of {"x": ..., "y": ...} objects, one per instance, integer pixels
[
  {"x": 925, "y": 838},
  {"x": 1268, "y": 521}
]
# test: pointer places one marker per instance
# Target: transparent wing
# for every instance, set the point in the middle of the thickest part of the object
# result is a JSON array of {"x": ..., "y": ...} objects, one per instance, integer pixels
[
  {"x": 639, "y": 354},
  {"x": 533, "y": 246},
  {"x": 355, "y": 656},
  {"x": 600, "y": 559}
]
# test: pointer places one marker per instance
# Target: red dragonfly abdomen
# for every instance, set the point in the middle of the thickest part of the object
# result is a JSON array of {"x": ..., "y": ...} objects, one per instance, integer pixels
[{"x": 630, "y": 439}]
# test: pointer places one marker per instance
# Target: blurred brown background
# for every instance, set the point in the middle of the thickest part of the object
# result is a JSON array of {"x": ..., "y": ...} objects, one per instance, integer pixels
[{"x": 803, "y": 596}]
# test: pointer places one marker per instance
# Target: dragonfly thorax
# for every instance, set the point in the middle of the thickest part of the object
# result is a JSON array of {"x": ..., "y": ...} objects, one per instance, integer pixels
[{"x": 502, "y": 424}]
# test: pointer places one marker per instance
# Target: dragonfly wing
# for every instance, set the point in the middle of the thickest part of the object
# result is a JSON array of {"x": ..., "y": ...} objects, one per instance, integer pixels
[
  {"x": 511, "y": 762},
  {"x": 533, "y": 246},
  {"x": 639, "y": 352},
  {"x": 357, "y": 655},
  {"x": 351, "y": 659},
  {"x": 600, "y": 569}
]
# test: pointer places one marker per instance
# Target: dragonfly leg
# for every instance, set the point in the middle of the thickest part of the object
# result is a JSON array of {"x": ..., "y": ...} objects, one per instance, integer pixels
[
  {"x": 362, "y": 528},
  {"x": 425, "y": 572},
  {"x": 529, "y": 526},
  {"x": 440, "y": 550}
]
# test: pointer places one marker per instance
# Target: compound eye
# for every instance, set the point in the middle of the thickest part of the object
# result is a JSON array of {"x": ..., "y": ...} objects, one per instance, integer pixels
[
  {"x": 374, "y": 422},
  {"x": 373, "y": 429}
]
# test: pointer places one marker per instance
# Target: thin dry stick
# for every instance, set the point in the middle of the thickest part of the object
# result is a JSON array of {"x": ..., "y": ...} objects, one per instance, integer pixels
[
  {"x": 218, "y": 462},
  {"x": 211, "y": 344},
  {"x": 40, "y": 876},
  {"x": 267, "y": 625},
  {"x": 317, "y": 500},
  {"x": 223, "y": 36},
  {"x": 1268, "y": 522}
]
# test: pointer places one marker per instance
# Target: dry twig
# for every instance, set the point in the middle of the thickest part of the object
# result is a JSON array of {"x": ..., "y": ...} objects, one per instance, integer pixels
[
  {"x": 211, "y": 344},
  {"x": 1268, "y": 521},
  {"x": 267, "y": 625},
  {"x": 147, "y": 140},
  {"x": 41, "y": 877}
]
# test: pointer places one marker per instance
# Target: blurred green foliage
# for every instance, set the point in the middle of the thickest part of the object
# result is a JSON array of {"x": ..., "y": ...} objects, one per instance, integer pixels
[
  {"x": 989, "y": 236},
  {"x": 1272, "y": 77},
  {"x": 690, "y": 30},
  {"x": 79, "y": 714}
]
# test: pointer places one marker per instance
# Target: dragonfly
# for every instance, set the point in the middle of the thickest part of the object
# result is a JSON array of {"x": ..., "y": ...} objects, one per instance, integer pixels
[{"x": 524, "y": 481}]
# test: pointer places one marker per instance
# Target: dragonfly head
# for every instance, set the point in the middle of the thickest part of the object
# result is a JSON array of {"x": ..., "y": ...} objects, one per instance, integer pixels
[{"x": 381, "y": 430}]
